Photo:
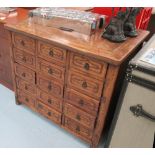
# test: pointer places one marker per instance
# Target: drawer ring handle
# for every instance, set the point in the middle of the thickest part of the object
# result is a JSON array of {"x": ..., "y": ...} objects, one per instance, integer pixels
[
  {"x": 81, "y": 102},
  {"x": 78, "y": 117},
  {"x": 49, "y": 101},
  {"x": 51, "y": 53},
  {"x": 23, "y": 74},
  {"x": 26, "y": 99},
  {"x": 50, "y": 71},
  {"x": 49, "y": 87},
  {"x": 84, "y": 84},
  {"x": 138, "y": 110},
  {"x": 86, "y": 66},
  {"x": 78, "y": 129},
  {"x": 22, "y": 43}
]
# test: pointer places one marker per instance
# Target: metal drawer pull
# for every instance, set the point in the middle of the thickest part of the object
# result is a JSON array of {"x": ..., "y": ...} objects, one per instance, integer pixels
[
  {"x": 23, "y": 74},
  {"x": 26, "y": 88},
  {"x": 24, "y": 59},
  {"x": 49, "y": 113},
  {"x": 138, "y": 111},
  {"x": 49, "y": 87},
  {"x": 22, "y": 43},
  {"x": 49, "y": 101},
  {"x": 81, "y": 102},
  {"x": 78, "y": 129},
  {"x": 78, "y": 117},
  {"x": 84, "y": 84},
  {"x": 26, "y": 99},
  {"x": 50, "y": 71},
  {"x": 86, "y": 66},
  {"x": 51, "y": 53}
]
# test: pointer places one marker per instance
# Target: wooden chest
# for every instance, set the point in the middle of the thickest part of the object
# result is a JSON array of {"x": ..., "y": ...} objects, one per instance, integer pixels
[{"x": 67, "y": 77}]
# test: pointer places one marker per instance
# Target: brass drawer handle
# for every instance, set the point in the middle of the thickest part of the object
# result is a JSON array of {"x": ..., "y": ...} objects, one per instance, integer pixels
[
  {"x": 22, "y": 43},
  {"x": 26, "y": 99},
  {"x": 26, "y": 88},
  {"x": 24, "y": 59},
  {"x": 49, "y": 113},
  {"x": 49, "y": 87},
  {"x": 23, "y": 74},
  {"x": 78, "y": 129},
  {"x": 81, "y": 102},
  {"x": 86, "y": 66},
  {"x": 51, "y": 53},
  {"x": 84, "y": 84},
  {"x": 50, "y": 71},
  {"x": 78, "y": 117},
  {"x": 40, "y": 106},
  {"x": 49, "y": 101}
]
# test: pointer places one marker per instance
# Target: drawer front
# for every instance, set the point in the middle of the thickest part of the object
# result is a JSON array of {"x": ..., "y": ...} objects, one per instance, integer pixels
[
  {"x": 48, "y": 112},
  {"x": 86, "y": 85},
  {"x": 25, "y": 73},
  {"x": 49, "y": 100},
  {"x": 50, "y": 69},
  {"x": 24, "y": 43},
  {"x": 25, "y": 86},
  {"x": 26, "y": 99},
  {"x": 50, "y": 86},
  {"x": 24, "y": 58},
  {"x": 82, "y": 101},
  {"x": 77, "y": 128},
  {"x": 79, "y": 115},
  {"x": 51, "y": 53},
  {"x": 88, "y": 66}
]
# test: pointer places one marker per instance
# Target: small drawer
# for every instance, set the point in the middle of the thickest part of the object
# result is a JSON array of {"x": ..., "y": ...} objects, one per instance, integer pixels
[
  {"x": 48, "y": 112},
  {"x": 25, "y": 86},
  {"x": 51, "y": 53},
  {"x": 86, "y": 85},
  {"x": 88, "y": 65},
  {"x": 79, "y": 115},
  {"x": 49, "y": 100},
  {"x": 24, "y": 43},
  {"x": 50, "y": 69},
  {"x": 50, "y": 86},
  {"x": 82, "y": 101},
  {"x": 24, "y": 58},
  {"x": 25, "y": 73},
  {"x": 78, "y": 128},
  {"x": 26, "y": 99}
]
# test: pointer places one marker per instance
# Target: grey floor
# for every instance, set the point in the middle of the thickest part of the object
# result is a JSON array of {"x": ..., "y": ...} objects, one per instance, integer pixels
[{"x": 22, "y": 128}]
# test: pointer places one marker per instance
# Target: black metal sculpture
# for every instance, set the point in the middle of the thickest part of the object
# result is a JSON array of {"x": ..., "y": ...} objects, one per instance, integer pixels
[
  {"x": 122, "y": 25},
  {"x": 114, "y": 31},
  {"x": 130, "y": 23}
]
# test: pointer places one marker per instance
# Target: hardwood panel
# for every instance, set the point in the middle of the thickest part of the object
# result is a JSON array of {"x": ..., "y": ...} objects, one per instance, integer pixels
[
  {"x": 86, "y": 85},
  {"x": 79, "y": 115},
  {"x": 26, "y": 99},
  {"x": 48, "y": 112},
  {"x": 82, "y": 101},
  {"x": 51, "y": 53},
  {"x": 24, "y": 43},
  {"x": 50, "y": 86},
  {"x": 26, "y": 86},
  {"x": 25, "y": 73},
  {"x": 24, "y": 58},
  {"x": 50, "y": 69},
  {"x": 77, "y": 128},
  {"x": 88, "y": 65},
  {"x": 51, "y": 101}
]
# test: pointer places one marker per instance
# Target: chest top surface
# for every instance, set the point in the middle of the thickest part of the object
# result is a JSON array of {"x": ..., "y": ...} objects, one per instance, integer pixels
[{"x": 94, "y": 45}]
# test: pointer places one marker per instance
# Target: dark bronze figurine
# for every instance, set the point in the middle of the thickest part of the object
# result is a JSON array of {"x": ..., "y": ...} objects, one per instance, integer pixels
[
  {"x": 122, "y": 25},
  {"x": 130, "y": 23},
  {"x": 114, "y": 31}
]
